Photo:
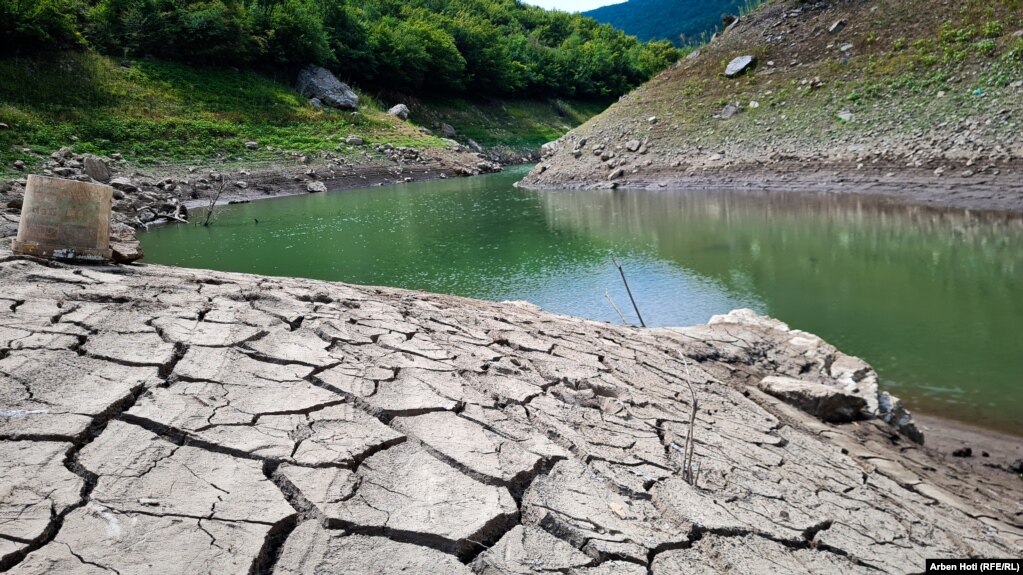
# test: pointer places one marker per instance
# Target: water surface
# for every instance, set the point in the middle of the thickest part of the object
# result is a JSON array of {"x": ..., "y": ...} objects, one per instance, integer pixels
[{"x": 932, "y": 299}]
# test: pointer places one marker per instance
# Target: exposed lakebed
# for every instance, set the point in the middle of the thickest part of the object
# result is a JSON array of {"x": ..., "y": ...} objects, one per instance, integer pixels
[{"x": 932, "y": 299}]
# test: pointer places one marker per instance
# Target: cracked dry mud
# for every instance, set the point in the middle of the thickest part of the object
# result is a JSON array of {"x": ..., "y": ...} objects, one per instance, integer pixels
[{"x": 163, "y": 420}]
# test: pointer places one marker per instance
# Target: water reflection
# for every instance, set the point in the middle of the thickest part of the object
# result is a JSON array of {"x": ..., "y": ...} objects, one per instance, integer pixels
[{"x": 934, "y": 299}]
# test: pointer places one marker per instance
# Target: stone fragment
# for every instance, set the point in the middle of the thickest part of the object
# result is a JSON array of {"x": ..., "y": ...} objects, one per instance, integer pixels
[
  {"x": 311, "y": 549},
  {"x": 125, "y": 185},
  {"x": 822, "y": 401},
  {"x": 399, "y": 110},
  {"x": 125, "y": 244},
  {"x": 316, "y": 187},
  {"x": 96, "y": 169},
  {"x": 320, "y": 84},
  {"x": 739, "y": 66}
]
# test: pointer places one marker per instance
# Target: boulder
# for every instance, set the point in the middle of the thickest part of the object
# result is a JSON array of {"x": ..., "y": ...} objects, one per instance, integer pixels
[
  {"x": 124, "y": 243},
  {"x": 837, "y": 27},
  {"x": 354, "y": 141},
  {"x": 892, "y": 412},
  {"x": 125, "y": 185},
  {"x": 448, "y": 130},
  {"x": 633, "y": 145},
  {"x": 19, "y": 165},
  {"x": 740, "y": 66},
  {"x": 251, "y": 145},
  {"x": 316, "y": 187},
  {"x": 319, "y": 83},
  {"x": 549, "y": 149},
  {"x": 401, "y": 111},
  {"x": 827, "y": 403},
  {"x": 97, "y": 169}
]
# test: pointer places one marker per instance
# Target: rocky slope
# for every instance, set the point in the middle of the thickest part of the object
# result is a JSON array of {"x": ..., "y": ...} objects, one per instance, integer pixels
[
  {"x": 840, "y": 92},
  {"x": 164, "y": 420}
]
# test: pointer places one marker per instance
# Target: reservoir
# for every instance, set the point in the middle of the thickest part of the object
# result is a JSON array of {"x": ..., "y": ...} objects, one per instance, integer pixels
[{"x": 933, "y": 299}]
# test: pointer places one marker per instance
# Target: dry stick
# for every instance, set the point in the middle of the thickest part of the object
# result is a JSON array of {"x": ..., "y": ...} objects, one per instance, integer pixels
[
  {"x": 214, "y": 199},
  {"x": 618, "y": 311},
  {"x": 629, "y": 290},
  {"x": 690, "y": 446}
]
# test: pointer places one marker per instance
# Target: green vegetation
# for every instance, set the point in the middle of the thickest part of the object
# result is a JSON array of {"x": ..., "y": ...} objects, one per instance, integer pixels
[
  {"x": 152, "y": 111},
  {"x": 679, "y": 21},
  {"x": 443, "y": 47},
  {"x": 509, "y": 126}
]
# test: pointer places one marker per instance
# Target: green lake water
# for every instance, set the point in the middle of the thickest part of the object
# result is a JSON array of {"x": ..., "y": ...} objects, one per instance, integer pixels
[{"x": 932, "y": 299}]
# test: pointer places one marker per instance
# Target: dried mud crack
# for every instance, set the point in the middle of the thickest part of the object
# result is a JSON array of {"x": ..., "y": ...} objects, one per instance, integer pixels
[{"x": 162, "y": 420}]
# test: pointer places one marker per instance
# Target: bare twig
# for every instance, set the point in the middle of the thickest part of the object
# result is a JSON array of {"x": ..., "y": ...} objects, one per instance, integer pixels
[
  {"x": 618, "y": 311},
  {"x": 214, "y": 199},
  {"x": 688, "y": 473},
  {"x": 628, "y": 289}
]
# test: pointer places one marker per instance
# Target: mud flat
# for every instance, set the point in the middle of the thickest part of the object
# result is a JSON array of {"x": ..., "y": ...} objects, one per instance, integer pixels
[{"x": 156, "y": 419}]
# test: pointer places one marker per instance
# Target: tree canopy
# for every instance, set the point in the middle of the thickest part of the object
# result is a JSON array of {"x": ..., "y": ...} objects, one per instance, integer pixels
[{"x": 483, "y": 47}]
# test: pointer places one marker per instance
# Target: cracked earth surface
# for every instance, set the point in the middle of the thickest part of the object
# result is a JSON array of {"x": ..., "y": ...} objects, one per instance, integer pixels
[{"x": 162, "y": 420}]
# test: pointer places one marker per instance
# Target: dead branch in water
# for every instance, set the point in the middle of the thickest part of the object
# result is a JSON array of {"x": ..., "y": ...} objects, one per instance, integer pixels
[
  {"x": 214, "y": 198},
  {"x": 628, "y": 289}
]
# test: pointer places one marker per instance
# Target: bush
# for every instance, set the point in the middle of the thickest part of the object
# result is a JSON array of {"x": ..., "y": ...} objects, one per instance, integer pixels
[{"x": 40, "y": 25}]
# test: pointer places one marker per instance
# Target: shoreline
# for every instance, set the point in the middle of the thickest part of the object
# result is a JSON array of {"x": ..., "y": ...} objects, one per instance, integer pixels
[
  {"x": 269, "y": 182},
  {"x": 982, "y": 192}
]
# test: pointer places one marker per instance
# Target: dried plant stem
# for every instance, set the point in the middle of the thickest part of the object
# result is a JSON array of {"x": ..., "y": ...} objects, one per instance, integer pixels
[
  {"x": 689, "y": 449},
  {"x": 615, "y": 307}
]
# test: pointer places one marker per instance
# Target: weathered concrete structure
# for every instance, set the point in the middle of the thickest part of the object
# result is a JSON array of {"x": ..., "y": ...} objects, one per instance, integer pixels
[{"x": 158, "y": 420}]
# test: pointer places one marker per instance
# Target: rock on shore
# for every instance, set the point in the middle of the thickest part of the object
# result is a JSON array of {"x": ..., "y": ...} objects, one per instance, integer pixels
[{"x": 164, "y": 420}]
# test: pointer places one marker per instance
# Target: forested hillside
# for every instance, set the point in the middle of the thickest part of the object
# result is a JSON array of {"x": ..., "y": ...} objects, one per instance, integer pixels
[
  {"x": 477, "y": 47},
  {"x": 679, "y": 21}
]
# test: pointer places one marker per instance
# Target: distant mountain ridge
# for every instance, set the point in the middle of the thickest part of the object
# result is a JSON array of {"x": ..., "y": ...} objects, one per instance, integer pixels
[{"x": 678, "y": 21}]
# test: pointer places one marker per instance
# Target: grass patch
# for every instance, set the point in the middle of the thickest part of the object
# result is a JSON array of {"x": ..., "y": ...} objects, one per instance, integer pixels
[{"x": 160, "y": 112}]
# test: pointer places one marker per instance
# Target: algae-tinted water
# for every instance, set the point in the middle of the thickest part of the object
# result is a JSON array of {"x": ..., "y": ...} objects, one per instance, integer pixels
[{"x": 933, "y": 299}]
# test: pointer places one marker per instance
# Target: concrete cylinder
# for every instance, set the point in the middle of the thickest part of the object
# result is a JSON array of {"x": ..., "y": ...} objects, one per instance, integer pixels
[{"x": 65, "y": 220}]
